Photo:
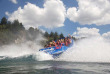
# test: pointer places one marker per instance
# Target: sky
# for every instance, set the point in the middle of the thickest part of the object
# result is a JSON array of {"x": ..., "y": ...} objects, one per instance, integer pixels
[{"x": 63, "y": 16}]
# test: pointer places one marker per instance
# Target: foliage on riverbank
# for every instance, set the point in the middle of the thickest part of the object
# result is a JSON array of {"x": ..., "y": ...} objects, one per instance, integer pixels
[
  {"x": 53, "y": 36},
  {"x": 15, "y": 32}
]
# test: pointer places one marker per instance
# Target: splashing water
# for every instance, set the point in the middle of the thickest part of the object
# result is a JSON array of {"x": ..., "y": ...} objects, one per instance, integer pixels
[
  {"x": 24, "y": 50},
  {"x": 42, "y": 56},
  {"x": 94, "y": 49}
]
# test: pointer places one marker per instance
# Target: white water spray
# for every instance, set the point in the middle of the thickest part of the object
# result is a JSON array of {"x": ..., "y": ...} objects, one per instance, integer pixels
[
  {"x": 24, "y": 50},
  {"x": 93, "y": 48},
  {"x": 42, "y": 56}
]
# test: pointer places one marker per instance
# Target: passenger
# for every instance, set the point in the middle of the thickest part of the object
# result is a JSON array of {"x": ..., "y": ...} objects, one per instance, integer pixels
[
  {"x": 54, "y": 43},
  {"x": 65, "y": 41},
  {"x": 70, "y": 36},
  {"x": 65, "y": 38},
  {"x": 62, "y": 42},
  {"x": 49, "y": 44},
  {"x": 58, "y": 43},
  {"x": 66, "y": 44},
  {"x": 68, "y": 40}
]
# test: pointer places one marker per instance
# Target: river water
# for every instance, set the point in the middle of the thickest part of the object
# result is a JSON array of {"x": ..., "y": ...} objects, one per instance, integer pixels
[{"x": 31, "y": 66}]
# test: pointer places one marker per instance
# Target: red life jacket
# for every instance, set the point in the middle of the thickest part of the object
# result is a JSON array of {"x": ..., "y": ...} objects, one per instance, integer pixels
[
  {"x": 49, "y": 45},
  {"x": 58, "y": 43},
  {"x": 55, "y": 44},
  {"x": 58, "y": 47}
]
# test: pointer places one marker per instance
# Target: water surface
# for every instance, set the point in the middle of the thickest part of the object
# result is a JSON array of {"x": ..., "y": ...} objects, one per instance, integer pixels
[{"x": 24, "y": 66}]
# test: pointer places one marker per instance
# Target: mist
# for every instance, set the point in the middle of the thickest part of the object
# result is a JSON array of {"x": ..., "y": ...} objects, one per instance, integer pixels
[{"x": 26, "y": 48}]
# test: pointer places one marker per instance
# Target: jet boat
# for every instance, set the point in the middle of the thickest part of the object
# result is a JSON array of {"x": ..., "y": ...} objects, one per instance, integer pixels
[{"x": 58, "y": 50}]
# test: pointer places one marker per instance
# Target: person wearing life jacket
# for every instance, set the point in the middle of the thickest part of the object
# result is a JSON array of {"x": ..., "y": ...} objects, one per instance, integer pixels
[
  {"x": 70, "y": 37},
  {"x": 68, "y": 40},
  {"x": 65, "y": 41},
  {"x": 54, "y": 43},
  {"x": 61, "y": 43},
  {"x": 66, "y": 44},
  {"x": 49, "y": 45},
  {"x": 58, "y": 43}
]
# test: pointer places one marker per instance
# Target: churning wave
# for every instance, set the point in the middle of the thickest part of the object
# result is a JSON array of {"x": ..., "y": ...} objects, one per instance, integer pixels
[
  {"x": 94, "y": 49},
  {"x": 25, "y": 51}
]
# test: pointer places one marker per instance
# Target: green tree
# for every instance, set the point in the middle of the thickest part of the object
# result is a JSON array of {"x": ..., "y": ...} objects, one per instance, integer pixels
[
  {"x": 61, "y": 35},
  {"x": 31, "y": 30},
  {"x": 36, "y": 31},
  {"x": 21, "y": 27},
  {"x": 55, "y": 36},
  {"x": 9, "y": 32},
  {"x": 46, "y": 34},
  {"x": 51, "y": 34},
  {"x": 16, "y": 27},
  {"x": 9, "y": 23},
  {"x": 3, "y": 21}
]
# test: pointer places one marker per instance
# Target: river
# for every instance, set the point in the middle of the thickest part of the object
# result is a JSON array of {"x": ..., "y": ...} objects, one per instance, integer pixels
[{"x": 29, "y": 66}]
